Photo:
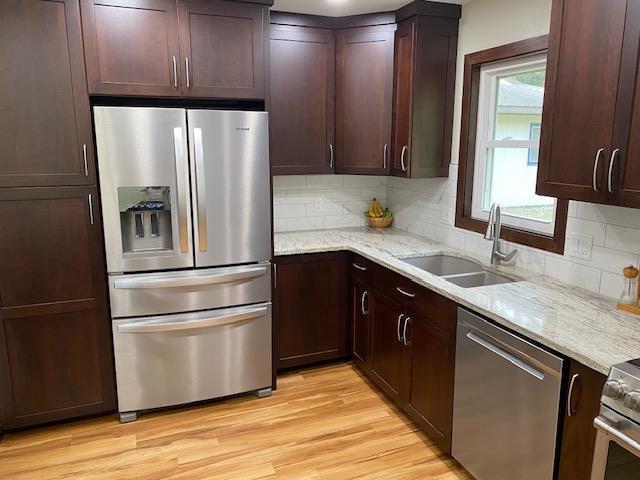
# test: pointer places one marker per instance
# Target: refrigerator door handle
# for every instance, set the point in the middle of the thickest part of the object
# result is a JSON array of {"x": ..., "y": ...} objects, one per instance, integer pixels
[
  {"x": 212, "y": 321},
  {"x": 201, "y": 193},
  {"x": 181, "y": 193},
  {"x": 142, "y": 282}
]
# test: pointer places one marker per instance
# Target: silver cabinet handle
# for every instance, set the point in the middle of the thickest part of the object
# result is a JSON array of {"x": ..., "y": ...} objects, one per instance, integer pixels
[
  {"x": 201, "y": 189},
  {"x": 595, "y": 168},
  {"x": 365, "y": 296},
  {"x": 175, "y": 72},
  {"x": 215, "y": 321},
  {"x": 506, "y": 355},
  {"x": 404, "y": 151},
  {"x": 384, "y": 157},
  {"x": 359, "y": 267},
  {"x": 84, "y": 157},
  {"x": 405, "y": 293},
  {"x": 143, "y": 282},
  {"x": 405, "y": 342},
  {"x": 186, "y": 67},
  {"x": 400, "y": 317},
  {"x": 182, "y": 179},
  {"x": 331, "y": 155},
  {"x": 611, "y": 430},
  {"x": 570, "y": 412},
  {"x": 275, "y": 275},
  {"x": 614, "y": 157},
  {"x": 90, "y": 200}
]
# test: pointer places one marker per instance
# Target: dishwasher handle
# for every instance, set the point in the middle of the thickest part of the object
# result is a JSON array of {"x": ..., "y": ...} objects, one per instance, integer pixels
[
  {"x": 212, "y": 321},
  {"x": 506, "y": 355}
]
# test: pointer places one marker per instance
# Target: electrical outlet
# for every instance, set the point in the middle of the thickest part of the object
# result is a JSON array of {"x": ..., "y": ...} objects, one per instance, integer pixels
[
  {"x": 319, "y": 204},
  {"x": 580, "y": 246}
]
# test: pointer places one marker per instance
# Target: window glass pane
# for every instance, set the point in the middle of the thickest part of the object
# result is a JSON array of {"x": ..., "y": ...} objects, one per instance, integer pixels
[
  {"x": 518, "y": 105},
  {"x": 510, "y": 180}
]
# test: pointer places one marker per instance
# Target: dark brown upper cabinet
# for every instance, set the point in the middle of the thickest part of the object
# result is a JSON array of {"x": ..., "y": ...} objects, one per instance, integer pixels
[
  {"x": 222, "y": 46},
  {"x": 302, "y": 100},
  {"x": 45, "y": 129},
  {"x": 164, "y": 48},
  {"x": 131, "y": 47},
  {"x": 589, "y": 145},
  {"x": 364, "y": 89},
  {"x": 425, "y": 66},
  {"x": 55, "y": 342}
]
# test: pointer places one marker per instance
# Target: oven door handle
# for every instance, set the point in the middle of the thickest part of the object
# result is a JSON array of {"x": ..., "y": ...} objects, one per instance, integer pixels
[
  {"x": 610, "y": 429},
  {"x": 139, "y": 283},
  {"x": 213, "y": 321}
]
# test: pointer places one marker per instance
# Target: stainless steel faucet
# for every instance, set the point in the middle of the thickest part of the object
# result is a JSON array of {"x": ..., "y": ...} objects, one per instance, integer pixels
[{"x": 494, "y": 227}]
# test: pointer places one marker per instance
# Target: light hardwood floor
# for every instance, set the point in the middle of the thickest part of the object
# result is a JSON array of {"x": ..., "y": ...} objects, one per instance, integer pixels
[{"x": 324, "y": 423}]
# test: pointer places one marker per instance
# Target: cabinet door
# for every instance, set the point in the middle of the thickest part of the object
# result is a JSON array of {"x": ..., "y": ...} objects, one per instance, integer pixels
[
  {"x": 624, "y": 161},
  {"x": 430, "y": 402},
  {"x": 364, "y": 91},
  {"x": 585, "y": 45},
  {"x": 387, "y": 350},
  {"x": 312, "y": 305},
  {"x": 56, "y": 353},
  {"x": 222, "y": 49},
  {"x": 46, "y": 122},
  {"x": 579, "y": 435},
  {"x": 403, "y": 98},
  {"x": 360, "y": 301},
  {"x": 131, "y": 47},
  {"x": 302, "y": 100}
]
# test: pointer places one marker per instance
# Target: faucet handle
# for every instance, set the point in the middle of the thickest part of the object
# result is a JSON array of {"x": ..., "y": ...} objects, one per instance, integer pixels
[{"x": 506, "y": 257}]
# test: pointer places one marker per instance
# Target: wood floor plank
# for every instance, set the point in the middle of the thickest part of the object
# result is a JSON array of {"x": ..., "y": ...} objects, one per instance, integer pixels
[{"x": 327, "y": 423}]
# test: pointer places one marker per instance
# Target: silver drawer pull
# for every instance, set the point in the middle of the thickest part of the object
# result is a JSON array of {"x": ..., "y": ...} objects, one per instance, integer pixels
[
  {"x": 400, "y": 317},
  {"x": 405, "y": 293},
  {"x": 595, "y": 168},
  {"x": 404, "y": 151},
  {"x": 84, "y": 159},
  {"x": 216, "y": 321},
  {"x": 570, "y": 412},
  {"x": 365, "y": 296},
  {"x": 614, "y": 157},
  {"x": 359, "y": 267},
  {"x": 384, "y": 161},
  {"x": 175, "y": 72},
  {"x": 405, "y": 342},
  {"x": 139, "y": 283}
]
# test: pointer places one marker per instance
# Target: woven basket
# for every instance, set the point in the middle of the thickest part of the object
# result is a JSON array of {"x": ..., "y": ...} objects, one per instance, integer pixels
[{"x": 381, "y": 222}]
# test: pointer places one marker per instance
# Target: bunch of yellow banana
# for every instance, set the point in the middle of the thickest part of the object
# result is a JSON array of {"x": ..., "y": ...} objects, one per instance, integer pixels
[{"x": 376, "y": 210}]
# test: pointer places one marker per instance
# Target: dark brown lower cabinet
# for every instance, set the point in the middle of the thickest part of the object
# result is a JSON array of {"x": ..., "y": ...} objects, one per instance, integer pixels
[
  {"x": 409, "y": 343},
  {"x": 55, "y": 339},
  {"x": 312, "y": 308},
  {"x": 579, "y": 434},
  {"x": 388, "y": 367}
]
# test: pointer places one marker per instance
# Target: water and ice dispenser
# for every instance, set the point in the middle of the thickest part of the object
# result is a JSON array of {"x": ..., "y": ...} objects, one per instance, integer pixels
[{"x": 145, "y": 219}]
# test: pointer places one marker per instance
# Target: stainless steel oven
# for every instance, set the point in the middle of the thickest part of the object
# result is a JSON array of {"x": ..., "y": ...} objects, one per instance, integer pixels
[{"x": 617, "y": 451}]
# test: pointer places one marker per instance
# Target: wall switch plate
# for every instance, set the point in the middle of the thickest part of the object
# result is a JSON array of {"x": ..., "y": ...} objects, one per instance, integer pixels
[
  {"x": 318, "y": 204},
  {"x": 579, "y": 246}
]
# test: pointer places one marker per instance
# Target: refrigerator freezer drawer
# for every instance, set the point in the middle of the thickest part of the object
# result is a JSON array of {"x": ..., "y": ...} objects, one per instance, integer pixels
[
  {"x": 177, "y": 359},
  {"x": 190, "y": 290}
]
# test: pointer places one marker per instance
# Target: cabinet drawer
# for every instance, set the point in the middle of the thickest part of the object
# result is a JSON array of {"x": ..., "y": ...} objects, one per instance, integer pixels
[
  {"x": 418, "y": 300},
  {"x": 362, "y": 268}
]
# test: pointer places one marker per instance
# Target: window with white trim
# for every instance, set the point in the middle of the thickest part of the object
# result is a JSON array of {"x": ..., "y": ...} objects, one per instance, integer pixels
[{"x": 509, "y": 117}]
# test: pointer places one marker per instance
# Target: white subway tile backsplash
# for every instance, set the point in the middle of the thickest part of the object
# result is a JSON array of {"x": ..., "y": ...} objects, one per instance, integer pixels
[
  {"x": 623, "y": 238},
  {"x": 427, "y": 207}
]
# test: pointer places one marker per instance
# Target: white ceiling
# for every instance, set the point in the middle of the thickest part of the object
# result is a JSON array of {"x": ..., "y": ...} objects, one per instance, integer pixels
[{"x": 339, "y": 8}]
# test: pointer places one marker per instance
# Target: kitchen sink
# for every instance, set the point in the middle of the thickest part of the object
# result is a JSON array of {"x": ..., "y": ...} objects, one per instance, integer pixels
[
  {"x": 461, "y": 272},
  {"x": 443, "y": 265}
]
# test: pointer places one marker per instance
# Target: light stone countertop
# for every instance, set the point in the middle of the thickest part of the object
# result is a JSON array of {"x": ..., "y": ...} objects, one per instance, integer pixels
[{"x": 577, "y": 323}]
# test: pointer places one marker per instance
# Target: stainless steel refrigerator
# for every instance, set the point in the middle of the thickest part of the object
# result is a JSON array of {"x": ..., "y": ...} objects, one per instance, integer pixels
[{"x": 187, "y": 220}]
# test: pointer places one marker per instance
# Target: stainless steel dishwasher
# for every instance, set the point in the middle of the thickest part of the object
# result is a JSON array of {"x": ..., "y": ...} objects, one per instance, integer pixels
[{"x": 506, "y": 403}]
